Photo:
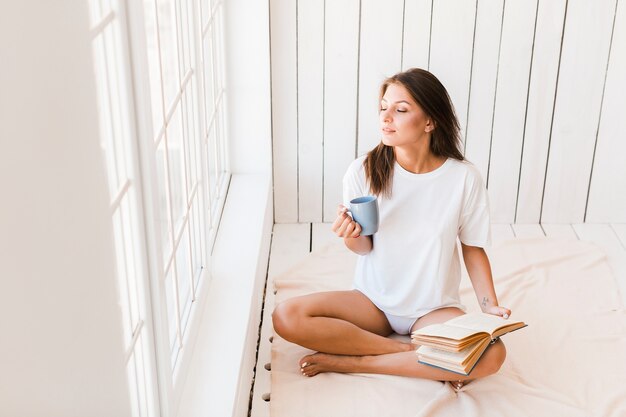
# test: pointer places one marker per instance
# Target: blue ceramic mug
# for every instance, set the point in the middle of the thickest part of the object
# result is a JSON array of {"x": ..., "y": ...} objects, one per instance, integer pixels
[{"x": 365, "y": 212}]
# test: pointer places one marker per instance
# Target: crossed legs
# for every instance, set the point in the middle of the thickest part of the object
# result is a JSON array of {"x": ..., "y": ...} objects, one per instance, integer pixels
[{"x": 350, "y": 334}]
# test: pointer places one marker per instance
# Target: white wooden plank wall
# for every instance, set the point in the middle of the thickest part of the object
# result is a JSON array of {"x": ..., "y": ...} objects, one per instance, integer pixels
[
  {"x": 539, "y": 88},
  {"x": 284, "y": 109},
  {"x": 484, "y": 76},
  {"x": 543, "y": 78},
  {"x": 310, "y": 31},
  {"x": 510, "y": 107},
  {"x": 610, "y": 155},
  {"x": 586, "y": 41},
  {"x": 416, "y": 34},
  {"x": 451, "y": 40},
  {"x": 380, "y": 50},
  {"x": 340, "y": 96}
]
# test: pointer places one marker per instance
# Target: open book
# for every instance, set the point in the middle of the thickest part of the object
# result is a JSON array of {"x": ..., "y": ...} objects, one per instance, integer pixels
[{"x": 458, "y": 344}]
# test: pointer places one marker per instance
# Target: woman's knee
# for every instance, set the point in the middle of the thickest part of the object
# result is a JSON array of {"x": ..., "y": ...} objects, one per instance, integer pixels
[
  {"x": 285, "y": 319},
  {"x": 495, "y": 356}
]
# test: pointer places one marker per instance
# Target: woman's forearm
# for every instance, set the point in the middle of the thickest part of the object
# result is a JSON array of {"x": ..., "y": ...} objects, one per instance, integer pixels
[
  {"x": 361, "y": 245},
  {"x": 479, "y": 270}
]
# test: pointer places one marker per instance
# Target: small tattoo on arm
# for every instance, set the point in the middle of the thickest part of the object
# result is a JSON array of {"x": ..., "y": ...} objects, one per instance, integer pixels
[{"x": 485, "y": 301}]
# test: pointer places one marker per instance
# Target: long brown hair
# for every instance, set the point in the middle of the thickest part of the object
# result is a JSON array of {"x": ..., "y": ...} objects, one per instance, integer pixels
[{"x": 432, "y": 97}]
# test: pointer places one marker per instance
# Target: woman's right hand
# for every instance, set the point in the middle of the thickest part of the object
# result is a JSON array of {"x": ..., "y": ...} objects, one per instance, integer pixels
[{"x": 344, "y": 226}]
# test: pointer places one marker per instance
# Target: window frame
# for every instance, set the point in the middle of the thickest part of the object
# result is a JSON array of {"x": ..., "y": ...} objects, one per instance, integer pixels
[
  {"x": 170, "y": 381},
  {"x": 126, "y": 203}
]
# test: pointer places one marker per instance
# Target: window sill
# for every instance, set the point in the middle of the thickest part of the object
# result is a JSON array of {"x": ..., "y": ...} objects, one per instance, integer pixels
[{"x": 223, "y": 358}]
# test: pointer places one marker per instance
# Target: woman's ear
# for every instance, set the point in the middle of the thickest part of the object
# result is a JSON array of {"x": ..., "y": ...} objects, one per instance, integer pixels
[{"x": 430, "y": 125}]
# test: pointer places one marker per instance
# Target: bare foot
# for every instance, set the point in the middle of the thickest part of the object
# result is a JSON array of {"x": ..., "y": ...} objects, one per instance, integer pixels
[
  {"x": 457, "y": 385},
  {"x": 312, "y": 365}
]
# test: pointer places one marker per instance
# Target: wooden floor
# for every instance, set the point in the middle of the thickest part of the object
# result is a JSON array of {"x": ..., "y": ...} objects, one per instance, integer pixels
[{"x": 291, "y": 242}]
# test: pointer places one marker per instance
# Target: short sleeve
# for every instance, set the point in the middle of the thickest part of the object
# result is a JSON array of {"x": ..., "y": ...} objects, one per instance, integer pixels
[
  {"x": 353, "y": 182},
  {"x": 475, "y": 224}
]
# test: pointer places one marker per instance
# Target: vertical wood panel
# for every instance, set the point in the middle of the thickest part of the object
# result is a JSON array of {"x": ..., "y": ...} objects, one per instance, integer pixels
[
  {"x": 451, "y": 50},
  {"x": 310, "y": 35},
  {"x": 546, "y": 52},
  {"x": 483, "y": 88},
  {"x": 340, "y": 97},
  {"x": 580, "y": 85},
  {"x": 416, "y": 37},
  {"x": 510, "y": 110},
  {"x": 607, "y": 196},
  {"x": 284, "y": 108},
  {"x": 380, "y": 56}
]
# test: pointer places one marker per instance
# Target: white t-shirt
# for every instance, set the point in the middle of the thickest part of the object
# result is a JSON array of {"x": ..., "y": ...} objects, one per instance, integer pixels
[{"x": 414, "y": 265}]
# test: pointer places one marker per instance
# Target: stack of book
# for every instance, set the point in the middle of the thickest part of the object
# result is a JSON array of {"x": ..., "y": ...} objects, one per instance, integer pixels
[{"x": 459, "y": 343}]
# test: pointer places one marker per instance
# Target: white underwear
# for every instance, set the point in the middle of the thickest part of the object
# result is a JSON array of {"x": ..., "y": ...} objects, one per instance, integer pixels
[{"x": 399, "y": 324}]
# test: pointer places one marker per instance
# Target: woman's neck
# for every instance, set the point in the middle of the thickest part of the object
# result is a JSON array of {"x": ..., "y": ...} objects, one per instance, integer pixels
[{"x": 418, "y": 161}]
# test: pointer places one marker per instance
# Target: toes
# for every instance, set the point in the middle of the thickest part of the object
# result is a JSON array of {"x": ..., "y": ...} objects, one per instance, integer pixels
[
  {"x": 303, "y": 366},
  {"x": 307, "y": 369}
]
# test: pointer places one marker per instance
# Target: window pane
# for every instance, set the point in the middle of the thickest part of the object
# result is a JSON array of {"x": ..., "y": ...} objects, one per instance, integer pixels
[
  {"x": 95, "y": 12},
  {"x": 190, "y": 131},
  {"x": 154, "y": 71},
  {"x": 122, "y": 276},
  {"x": 183, "y": 259},
  {"x": 104, "y": 109},
  {"x": 196, "y": 243},
  {"x": 186, "y": 40},
  {"x": 219, "y": 151},
  {"x": 207, "y": 80},
  {"x": 132, "y": 261},
  {"x": 172, "y": 310},
  {"x": 166, "y": 14},
  {"x": 212, "y": 162},
  {"x": 132, "y": 373},
  {"x": 141, "y": 364},
  {"x": 205, "y": 12},
  {"x": 118, "y": 93},
  {"x": 176, "y": 154},
  {"x": 163, "y": 217},
  {"x": 218, "y": 51}
]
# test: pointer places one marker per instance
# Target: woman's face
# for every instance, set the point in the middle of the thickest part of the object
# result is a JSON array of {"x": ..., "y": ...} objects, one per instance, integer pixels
[{"x": 402, "y": 120}]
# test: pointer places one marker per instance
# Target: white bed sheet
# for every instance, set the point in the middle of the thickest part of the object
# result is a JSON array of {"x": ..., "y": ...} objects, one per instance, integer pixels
[{"x": 569, "y": 361}]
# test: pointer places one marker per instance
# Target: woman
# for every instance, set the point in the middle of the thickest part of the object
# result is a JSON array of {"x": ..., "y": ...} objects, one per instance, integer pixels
[{"x": 408, "y": 274}]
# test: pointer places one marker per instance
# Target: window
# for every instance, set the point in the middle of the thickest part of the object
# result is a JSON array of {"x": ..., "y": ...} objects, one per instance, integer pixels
[{"x": 167, "y": 177}]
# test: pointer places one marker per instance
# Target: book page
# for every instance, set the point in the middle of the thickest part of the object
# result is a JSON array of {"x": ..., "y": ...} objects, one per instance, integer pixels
[
  {"x": 445, "y": 356},
  {"x": 462, "y": 361},
  {"x": 483, "y": 322},
  {"x": 442, "y": 330}
]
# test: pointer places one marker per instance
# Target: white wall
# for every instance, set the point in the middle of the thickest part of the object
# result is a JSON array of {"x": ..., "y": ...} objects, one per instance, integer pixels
[
  {"x": 62, "y": 351},
  {"x": 539, "y": 88}
]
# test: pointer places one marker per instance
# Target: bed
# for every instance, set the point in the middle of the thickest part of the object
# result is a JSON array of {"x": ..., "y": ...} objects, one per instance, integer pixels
[{"x": 570, "y": 360}]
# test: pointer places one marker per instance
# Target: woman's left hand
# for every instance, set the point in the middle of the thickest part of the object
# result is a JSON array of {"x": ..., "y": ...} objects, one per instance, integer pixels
[{"x": 499, "y": 311}]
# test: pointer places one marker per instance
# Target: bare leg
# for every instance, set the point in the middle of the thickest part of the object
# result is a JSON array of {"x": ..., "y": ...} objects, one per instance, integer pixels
[
  {"x": 405, "y": 363},
  {"x": 338, "y": 322}
]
